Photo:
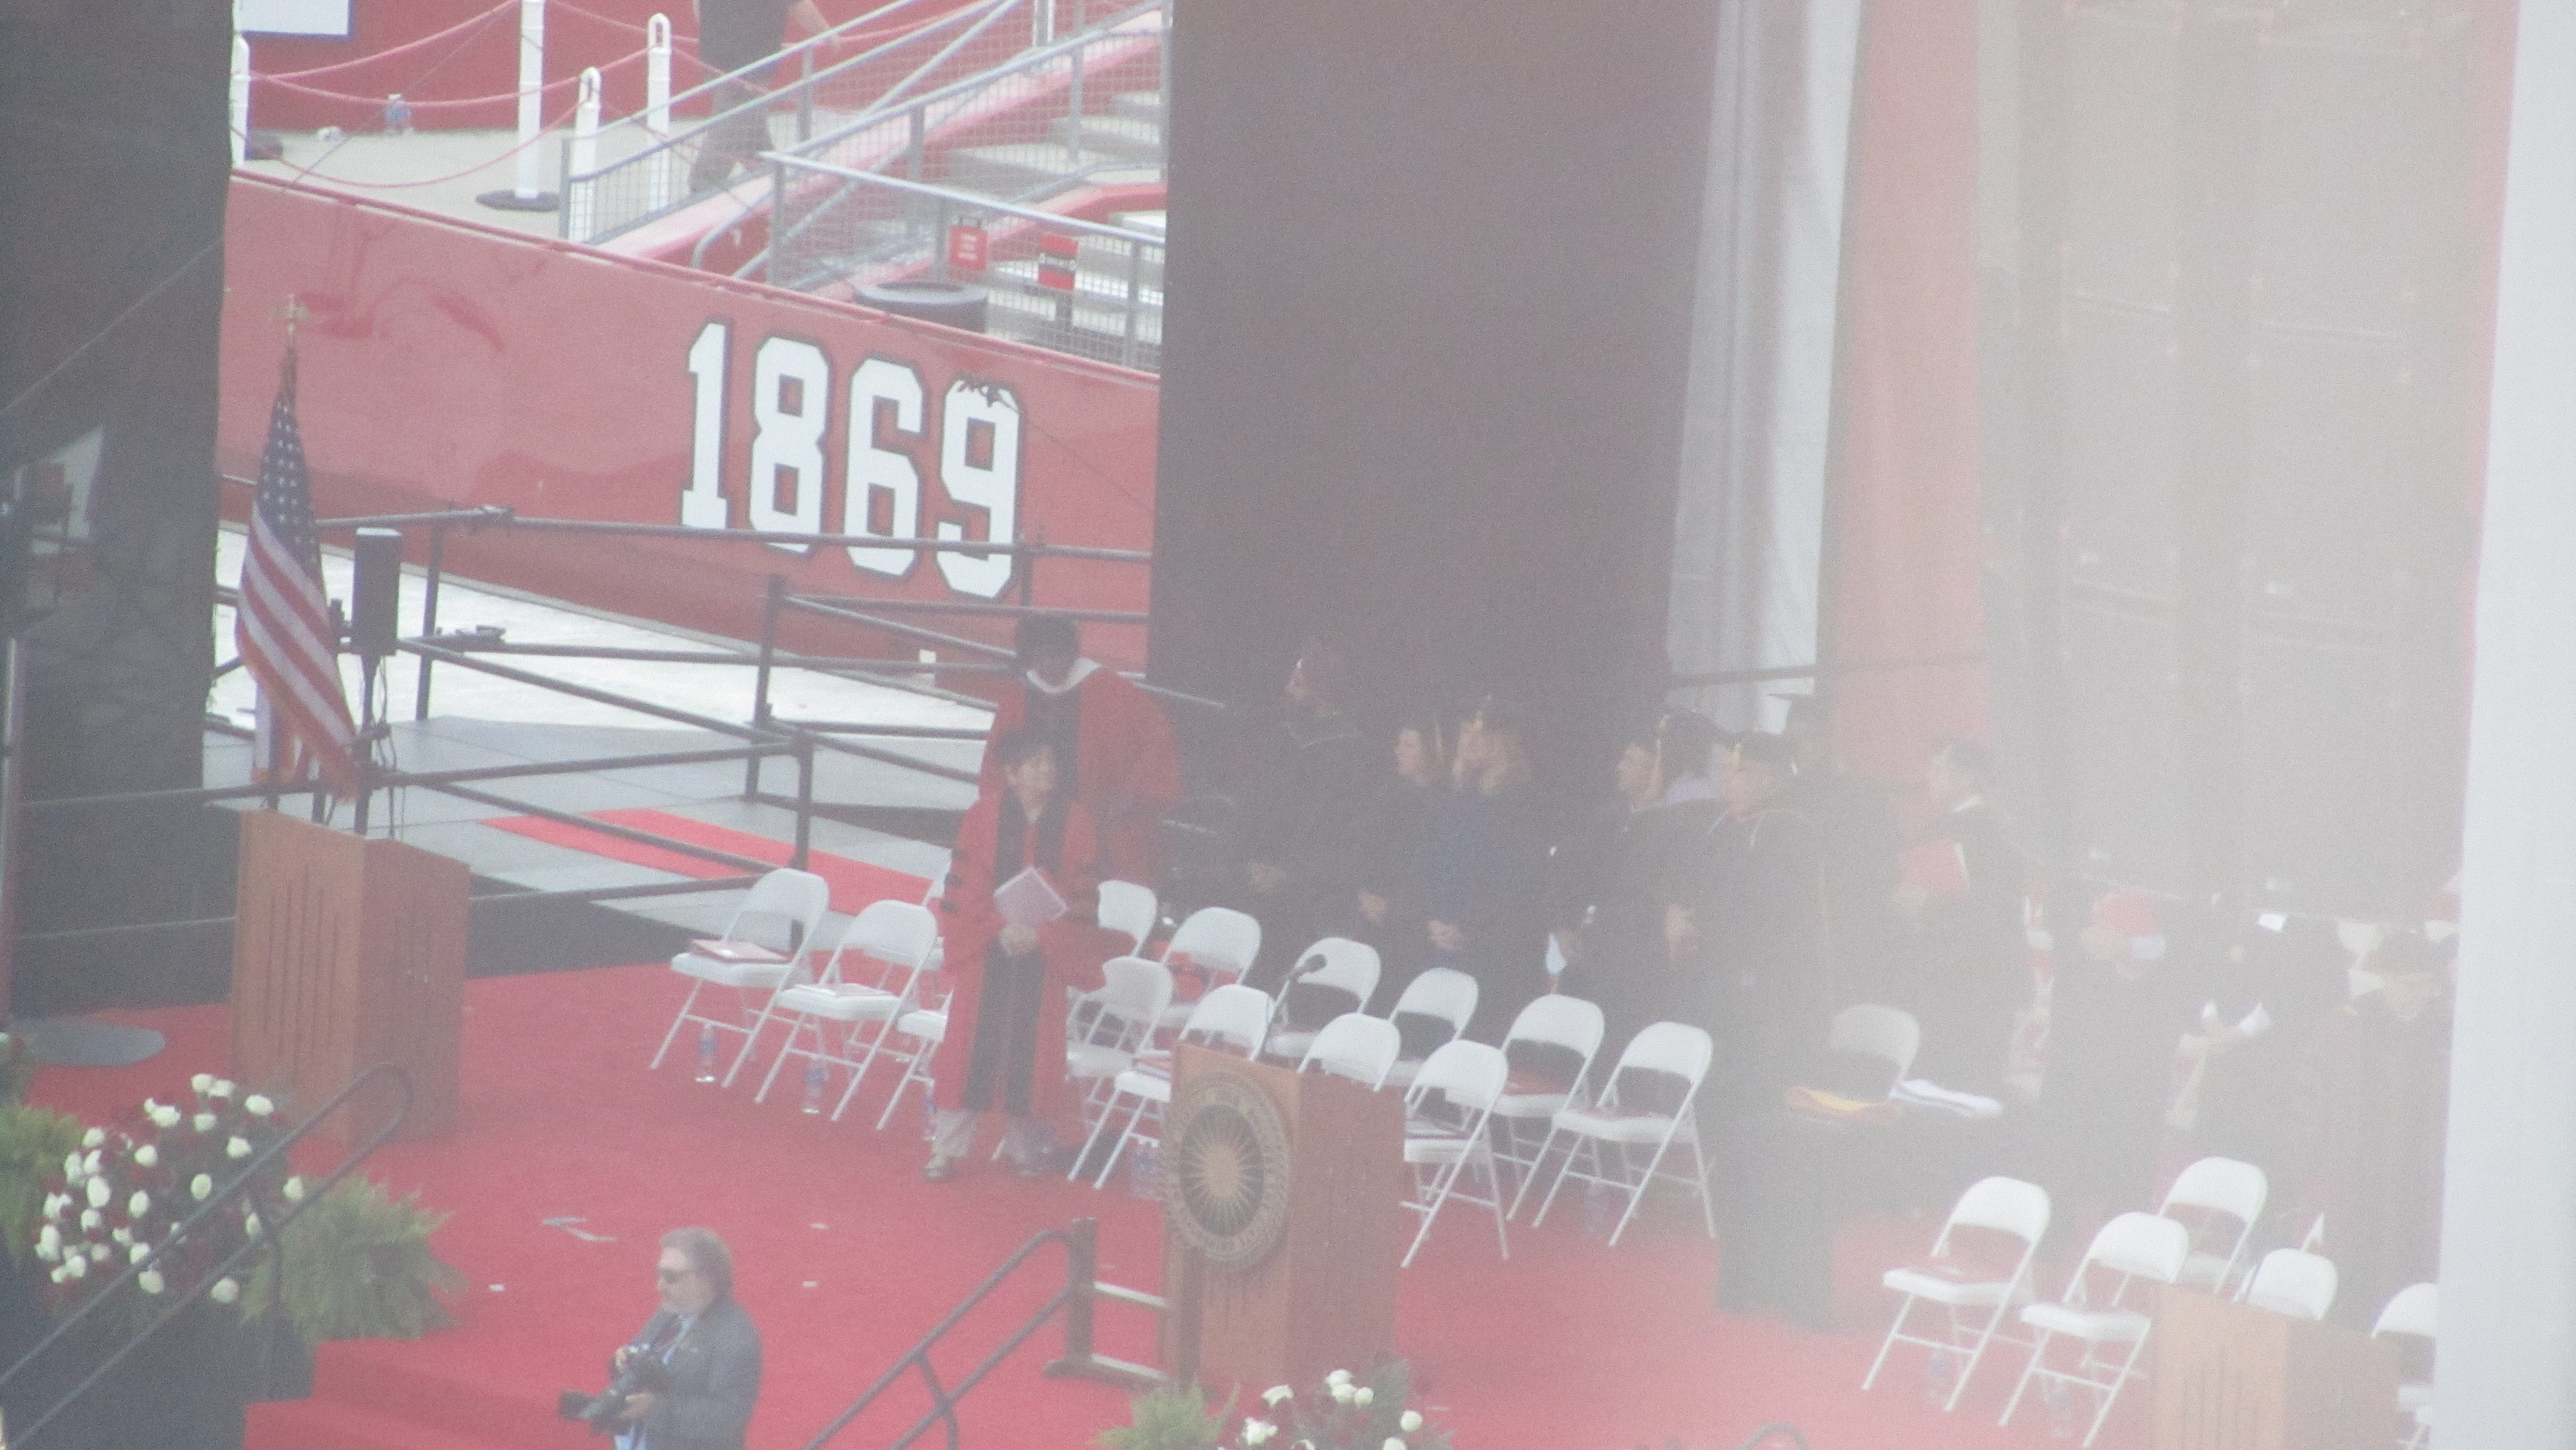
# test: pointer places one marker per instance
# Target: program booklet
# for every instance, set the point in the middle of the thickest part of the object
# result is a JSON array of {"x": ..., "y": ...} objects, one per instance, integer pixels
[{"x": 1029, "y": 899}]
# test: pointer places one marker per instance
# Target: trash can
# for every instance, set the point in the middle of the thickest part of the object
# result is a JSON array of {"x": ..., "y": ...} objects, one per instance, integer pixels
[{"x": 951, "y": 304}]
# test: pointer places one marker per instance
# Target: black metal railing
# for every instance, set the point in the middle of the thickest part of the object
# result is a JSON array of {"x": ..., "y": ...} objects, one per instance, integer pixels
[
  {"x": 269, "y": 1242},
  {"x": 1075, "y": 1301}
]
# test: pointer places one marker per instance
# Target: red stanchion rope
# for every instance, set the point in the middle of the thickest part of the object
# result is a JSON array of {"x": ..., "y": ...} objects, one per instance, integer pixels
[
  {"x": 550, "y": 86},
  {"x": 469, "y": 23},
  {"x": 542, "y": 132}
]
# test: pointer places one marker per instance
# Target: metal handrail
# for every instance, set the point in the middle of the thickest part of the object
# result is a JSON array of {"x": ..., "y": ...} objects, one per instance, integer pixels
[
  {"x": 1026, "y": 60},
  {"x": 1080, "y": 1239},
  {"x": 1056, "y": 221},
  {"x": 270, "y": 1241}
]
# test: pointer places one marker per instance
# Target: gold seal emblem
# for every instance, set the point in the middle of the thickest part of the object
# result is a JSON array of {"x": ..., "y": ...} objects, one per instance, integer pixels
[{"x": 1225, "y": 1168}]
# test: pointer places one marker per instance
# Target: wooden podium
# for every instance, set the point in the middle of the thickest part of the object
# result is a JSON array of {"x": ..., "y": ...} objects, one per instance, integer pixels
[
  {"x": 1270, "y": 1282},
  {"x": 347, "y": 952},
  {"x": 2231, "y": 1377}
]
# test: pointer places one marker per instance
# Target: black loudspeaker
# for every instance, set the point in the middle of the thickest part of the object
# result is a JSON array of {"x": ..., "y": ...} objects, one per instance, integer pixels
[{"x": 373, "y": 613}]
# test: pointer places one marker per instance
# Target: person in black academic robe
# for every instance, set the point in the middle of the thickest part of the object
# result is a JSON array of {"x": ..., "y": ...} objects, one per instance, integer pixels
[
  {"x": 2366, "y": 1124},
  {"x": 2118, "y": 1008},
  {"x": 1388, "y": 907},
  {"x": 1485, "y": 874},
  {"x": 2263, "y": 1003},
  {"x": 1970, "y": 951},
  {"x": 1858, "y": 837},
  {"x": 1609, "y": 879},
  {"x": 1303, "y": 802},
  {"x": 1114, "y": 746}
]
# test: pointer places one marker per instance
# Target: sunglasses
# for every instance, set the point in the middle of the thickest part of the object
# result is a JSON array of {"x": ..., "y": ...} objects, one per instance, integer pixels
[{"x": 672, "y": 1276}]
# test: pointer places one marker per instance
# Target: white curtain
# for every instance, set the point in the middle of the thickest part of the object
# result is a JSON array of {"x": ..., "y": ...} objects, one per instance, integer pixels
[{"x": 1748, "y": 526}]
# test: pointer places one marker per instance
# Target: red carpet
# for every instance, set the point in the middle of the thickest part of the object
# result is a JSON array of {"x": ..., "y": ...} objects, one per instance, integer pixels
[
  {"x": 854, "y": 883},
  {"x": 846, "y": 1255}
]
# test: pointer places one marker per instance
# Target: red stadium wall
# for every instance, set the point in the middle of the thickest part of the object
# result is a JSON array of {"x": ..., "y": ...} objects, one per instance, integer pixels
[{"x": 450, "y": 365}]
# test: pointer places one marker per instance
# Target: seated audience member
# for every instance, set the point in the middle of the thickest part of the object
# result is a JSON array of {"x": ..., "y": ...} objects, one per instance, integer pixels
[
  {"x": 1485, "y": 872},
  {"x": 1963, "y": 899},
  {"x": 1113, "y": 745},
  {"x": 2117, "y": 1013},
  {"x": 1859, "y": 840},
  {"x": 2366, "y": 1125},
  {"x": 1010, "y": 967},
  {"x": 1303, "y": 803},
  {"x": 2276, "y": 983},
  {"x": 1607, "y": 882},
  {"x": 1387, "y": 908}
]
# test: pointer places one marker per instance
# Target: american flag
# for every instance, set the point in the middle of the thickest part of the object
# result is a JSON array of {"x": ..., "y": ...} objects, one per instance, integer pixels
[{"x": 284, "y": 624}]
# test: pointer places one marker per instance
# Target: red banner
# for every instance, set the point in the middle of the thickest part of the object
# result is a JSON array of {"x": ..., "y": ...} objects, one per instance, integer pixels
[{"x": 448, "y": 365}]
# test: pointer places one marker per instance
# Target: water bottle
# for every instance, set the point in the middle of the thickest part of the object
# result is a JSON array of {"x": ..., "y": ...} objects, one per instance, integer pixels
[
  {"x": 397, "y": 115},
  {"x": 814, "y": 1080},
  {"x": 1145, "y": 1171},
  {"x": 2061, "y": 1410},
  {"x": 1937, "y": 1372},
  {"x": 706, "y": 1052}
]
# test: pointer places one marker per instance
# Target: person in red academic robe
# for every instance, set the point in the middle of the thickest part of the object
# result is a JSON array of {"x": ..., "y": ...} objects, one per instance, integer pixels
[
  {"x": 1114, "y": 747},
  {"x": 1004, "y": 1048}
]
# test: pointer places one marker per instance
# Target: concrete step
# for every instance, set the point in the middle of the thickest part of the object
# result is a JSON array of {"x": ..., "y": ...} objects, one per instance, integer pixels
[
  {"x": 1138, "y": 221},
  {"x": 1116, "y": 137},
  {"x": 1005, "y": 172},
  {"x": 1137, "y": 105}
]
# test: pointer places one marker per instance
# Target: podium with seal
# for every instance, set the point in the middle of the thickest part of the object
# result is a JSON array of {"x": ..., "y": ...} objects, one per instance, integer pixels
[{"x": 1283, "y": 1222}]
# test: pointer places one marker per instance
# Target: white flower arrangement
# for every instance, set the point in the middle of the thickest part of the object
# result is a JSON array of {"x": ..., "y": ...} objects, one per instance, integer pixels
[{"x": 1345, "y": 1414}]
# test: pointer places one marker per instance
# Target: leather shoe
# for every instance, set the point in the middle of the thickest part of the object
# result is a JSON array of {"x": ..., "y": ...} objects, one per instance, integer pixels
[{"x": 939, "y": 1170}]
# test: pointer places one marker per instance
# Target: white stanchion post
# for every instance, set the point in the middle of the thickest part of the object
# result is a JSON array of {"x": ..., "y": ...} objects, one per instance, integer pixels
[
  {"x": 657, "y": 109},
  {"x": 241, "y": 98},
  {"x": 580, "y": 196},
  {"x": 526, "y": 192}
]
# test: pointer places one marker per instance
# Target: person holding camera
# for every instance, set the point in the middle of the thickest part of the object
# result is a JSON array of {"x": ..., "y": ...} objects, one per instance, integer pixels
[{"x": 689, "y": 1379}]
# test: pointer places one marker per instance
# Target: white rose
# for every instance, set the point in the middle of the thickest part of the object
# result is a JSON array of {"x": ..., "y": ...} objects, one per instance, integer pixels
[
  {"x": 49, "y": 1242},
  {"x": 250, "y": 1224},
  {"x": 201, "y": 1185},
  {"x": 1273, "y": 1395},
  {"x": 75, "y": 1266},
  {"x": 54, "y": 1204},
  {"x": 59, "y": 1275},
  {"x": 259, "y": 1105},
  {"x": 89, "y": 1163},
  {"x": 1393, "y": 1442},
  {"x": 100, "y": 1191},
  {"x": 123, "y": 1236},
  {"x": 223, "y": 1088},
  {"x": 138, "y": 1253},
  {"x": 150, "y": 1279},
  {"x": 1256, "y": 1431},
  {"x": 139, "y": 1205},
  {"x": 1409, "y": 1421},
  {"x": 1342, "y": 1392},
  {"x": 72, "y": 1165},
  {"x": 205, "y": 1122},
  {"x": 295, "y": 1189},
  {"x": 165, "y": 1117},
  {"x": 239, "y": 1147},
  {"x": 91, "y": 1218},
  {"x": 1362, "y": 1396},
  {"x": 1338, "y": 1377},
  {"x": 94, "y": 1138},
  {"x": 202, "y": 1081},
  {"x": 147, "y": 1156},
  {"x": 225, "y": 1291}
]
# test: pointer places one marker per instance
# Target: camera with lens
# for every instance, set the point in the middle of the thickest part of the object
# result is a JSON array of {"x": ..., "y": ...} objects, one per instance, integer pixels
[{"x": 644, "y": 1374}]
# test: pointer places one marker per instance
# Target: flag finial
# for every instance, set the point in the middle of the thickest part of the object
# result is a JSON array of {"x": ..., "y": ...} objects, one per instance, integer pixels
[{"x": 292, "y": 312}]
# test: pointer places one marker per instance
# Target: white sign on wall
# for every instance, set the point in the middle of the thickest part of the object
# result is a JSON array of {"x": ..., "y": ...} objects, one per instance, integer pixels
[{"x": 293, "y": 17}]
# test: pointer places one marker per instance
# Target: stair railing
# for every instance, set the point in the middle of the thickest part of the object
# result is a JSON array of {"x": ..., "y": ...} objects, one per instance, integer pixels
[{"x": 1075, "y": 1301}]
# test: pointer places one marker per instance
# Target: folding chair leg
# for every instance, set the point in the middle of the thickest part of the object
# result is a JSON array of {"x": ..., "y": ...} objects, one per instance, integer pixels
[
  {"x": 695, "y": 986},
  {"x": 795, "y": 1030},
  {"x": 1637, "y": 1195},
  {"x": 1902, "y": 1309},
  {"x": 1562, "y": 1169},
  {"x": 2038, "y": 1352},
  {"x": 2127, "y": 1367},
  {"x": 1699, "y": 1176},
  {"x": 1494, "y": 1190},
  {"x": 1994, "y": 1321},
  {"x": 750, "y": 1037}
]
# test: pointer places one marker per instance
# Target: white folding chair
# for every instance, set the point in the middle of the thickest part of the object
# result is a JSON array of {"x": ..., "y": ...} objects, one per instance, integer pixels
[
  {"x": 1888, "y": 1033},
  {"x": 1233, "y": 1017},
  {"x": 895, "y": 938},
  {"x": 1673, "y": 1048},
  {"x": 1124, "y": 1010},
  {"x": 1442, "y": 995},
  {"x": 1130, "y": 908},
  {"x": 1335, "y": 962},
  {"x": 2005, "y": 1206},
  {"x": 2136, "y": 1248},
  {"x": 1219, "y": 942},
  {"x": 1554, "y": 1020},
  {"x": 2217, "y": 1187},
  {"x": 2289, "y": 1281},
  {"x": 787, "y": 899},
  {"x": 1356, "y": 1046},
  {"x": 1444, "y": 1141},
  {"x": 2413, "y": 1310}
]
